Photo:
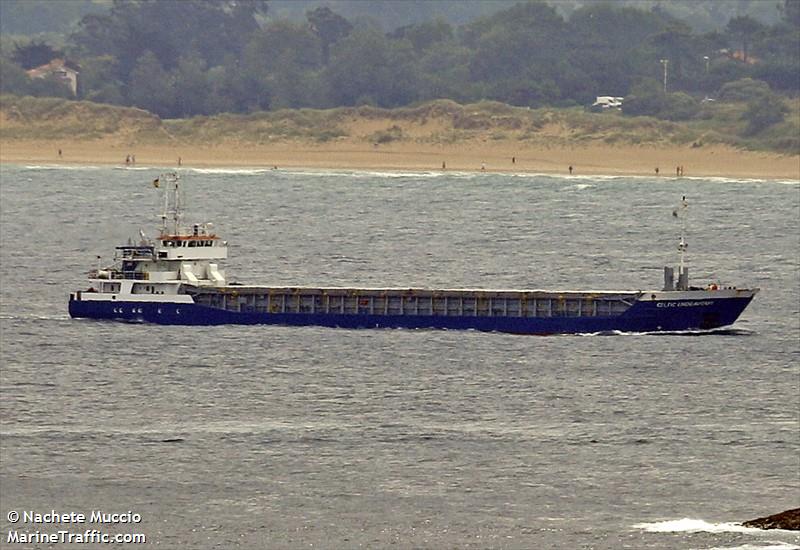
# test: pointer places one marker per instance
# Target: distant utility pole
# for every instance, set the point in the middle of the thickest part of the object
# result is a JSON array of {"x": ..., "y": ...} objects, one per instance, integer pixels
[{"x": 665, "y": 62}]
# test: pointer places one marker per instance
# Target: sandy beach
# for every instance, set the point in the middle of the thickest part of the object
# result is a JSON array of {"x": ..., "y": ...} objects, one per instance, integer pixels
[{"x": 494, "y": 156}]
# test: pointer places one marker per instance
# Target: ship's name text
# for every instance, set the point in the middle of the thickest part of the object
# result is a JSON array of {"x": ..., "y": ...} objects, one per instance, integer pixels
[{"x": 701, "y": 303}]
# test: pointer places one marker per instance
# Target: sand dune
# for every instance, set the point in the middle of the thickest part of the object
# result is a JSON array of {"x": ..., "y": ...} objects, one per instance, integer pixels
[{"x": 440, "y": 135}]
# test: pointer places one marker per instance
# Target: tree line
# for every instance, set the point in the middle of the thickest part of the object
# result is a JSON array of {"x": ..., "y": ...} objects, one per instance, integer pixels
[{"x": 202, "y": 57}]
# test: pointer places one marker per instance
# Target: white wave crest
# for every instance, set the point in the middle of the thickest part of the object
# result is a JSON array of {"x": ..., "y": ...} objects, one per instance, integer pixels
[
  {"x": 231, "y": 171},
  {"x": 767, "y": 545},
  {"x": 61, "y": 167},
  {"x": 688, "y": 525}
]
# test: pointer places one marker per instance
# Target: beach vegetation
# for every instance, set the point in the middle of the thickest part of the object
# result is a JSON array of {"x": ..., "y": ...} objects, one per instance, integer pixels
[
  {"x": 744, "y": 89},
  {"x": 740, "y": 124},
  {"x": 393, "y": 133},
  {"x": 763, "y": 112}
]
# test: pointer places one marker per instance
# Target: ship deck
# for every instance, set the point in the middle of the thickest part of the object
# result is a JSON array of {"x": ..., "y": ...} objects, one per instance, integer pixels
[{"x": 414, "y": 301}]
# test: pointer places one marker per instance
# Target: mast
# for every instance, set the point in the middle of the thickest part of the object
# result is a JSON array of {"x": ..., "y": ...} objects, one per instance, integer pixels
[
  {"x": 172, "y": 203},
  {"x": 177, "y": 205},
  {"x": 683, "y": 271}
]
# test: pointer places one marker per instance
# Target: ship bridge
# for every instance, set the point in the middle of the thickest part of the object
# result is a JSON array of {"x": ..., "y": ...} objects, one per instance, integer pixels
[
  {"x": 180, "y": 254},
  {"x": 200, "y": 245}
]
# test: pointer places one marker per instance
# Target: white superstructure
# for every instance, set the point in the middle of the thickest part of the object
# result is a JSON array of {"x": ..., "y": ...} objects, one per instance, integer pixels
[{"x": 154, "y": 269}]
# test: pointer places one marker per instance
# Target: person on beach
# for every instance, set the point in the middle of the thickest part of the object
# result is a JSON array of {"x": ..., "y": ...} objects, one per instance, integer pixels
[
  {"x": 483, "y": 167},
  {"x": 570, "y": 169},
  {"x": 127, "y": 160},
  {"x": 59, "y": 153},
  {"x": 179, "y": 161},
  {"x": 656, "y": 170},
  {"x": 444, "y": 165}
]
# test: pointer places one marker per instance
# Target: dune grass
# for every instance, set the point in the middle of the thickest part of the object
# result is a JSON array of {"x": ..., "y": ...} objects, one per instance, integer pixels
[{"x": 441, "y": 121}]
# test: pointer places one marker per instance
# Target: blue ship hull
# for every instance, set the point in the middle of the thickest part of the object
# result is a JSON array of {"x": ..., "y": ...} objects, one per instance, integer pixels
[{"x": 642, "y": 316}]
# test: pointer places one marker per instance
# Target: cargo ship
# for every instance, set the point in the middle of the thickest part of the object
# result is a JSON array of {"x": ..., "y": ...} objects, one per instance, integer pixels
[{"x": 177, "y": 279}]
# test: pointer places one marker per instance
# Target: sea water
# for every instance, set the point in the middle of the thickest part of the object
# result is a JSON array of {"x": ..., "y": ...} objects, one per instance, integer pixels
[{"x": 276, "y": 437}]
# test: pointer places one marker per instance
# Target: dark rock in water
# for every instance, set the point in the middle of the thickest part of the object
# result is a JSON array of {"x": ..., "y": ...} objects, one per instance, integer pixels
[{"x": 790, "y": 519}]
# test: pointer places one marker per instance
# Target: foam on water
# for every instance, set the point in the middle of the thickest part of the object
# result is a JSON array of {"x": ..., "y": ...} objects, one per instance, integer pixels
[
  {"x": 389, "y": 173},
  {"x": 58, "y": 167},
  {"x": 231, "y": 171},
  {"x": 688, "y": 525},
  {"x": 766, "y": 545}
]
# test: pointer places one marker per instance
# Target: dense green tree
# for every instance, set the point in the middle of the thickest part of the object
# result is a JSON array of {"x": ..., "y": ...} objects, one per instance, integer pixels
[
  {"x": 285, "y": 58},
  {"x": 743, "y": 30},
  {"x": 282, "y": 42},
  {"x": 243, "y": 89},
  {"x": 679, "y": 106},
  {"x": 329, "y": 26},
  {"x": 604, "y": 49},
  {"x": 526, "y": 39},
  {"x": 745, "y": 89},
  {"x": 151, "y": 87},
  {"x": 677, "y": 45},
  {"x": 646, "y": 98},
  {"x": 168, "y": 29},
  {"x": 444, "y": 73},
  {"x": 722, "y": 71},
  {"x": 190, "y": 82},
  {"x": 50, "y": 86},
  {"x": 763, "y": 112},
  {"x": 219, "y": 98},
  {"x": 367, "y": 67},
  {"x": 34, "y": 54},
  {"x": 424, "y": 35},
  {"x": 13, "y": 79},
  {"x": 98, "y": 80}
]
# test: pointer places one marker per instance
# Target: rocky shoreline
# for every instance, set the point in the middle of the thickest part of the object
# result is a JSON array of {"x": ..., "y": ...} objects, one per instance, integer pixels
[{"x": 790, "y": 520}]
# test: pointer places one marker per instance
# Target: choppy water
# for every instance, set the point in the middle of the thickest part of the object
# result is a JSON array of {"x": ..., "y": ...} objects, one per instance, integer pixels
[{"x": 273, "y": 437}]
